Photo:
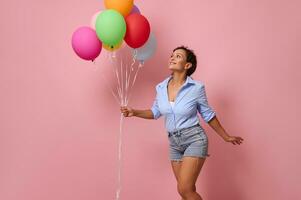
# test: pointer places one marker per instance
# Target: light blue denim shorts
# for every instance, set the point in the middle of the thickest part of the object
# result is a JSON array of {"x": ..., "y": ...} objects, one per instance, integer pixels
[{"x": 191, "y": 141}]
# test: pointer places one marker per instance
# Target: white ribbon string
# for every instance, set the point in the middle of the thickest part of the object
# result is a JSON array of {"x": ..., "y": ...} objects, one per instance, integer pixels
[
  {"x": 139, "y": 66},
  {"x": 123, "y": 73}
]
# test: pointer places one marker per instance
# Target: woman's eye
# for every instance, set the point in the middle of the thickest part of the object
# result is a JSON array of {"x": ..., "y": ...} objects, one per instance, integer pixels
[{"x": 178, "y": 56}]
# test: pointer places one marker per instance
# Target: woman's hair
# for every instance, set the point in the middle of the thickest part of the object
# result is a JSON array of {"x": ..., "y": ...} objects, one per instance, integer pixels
[{"x": 190, "y": 57}]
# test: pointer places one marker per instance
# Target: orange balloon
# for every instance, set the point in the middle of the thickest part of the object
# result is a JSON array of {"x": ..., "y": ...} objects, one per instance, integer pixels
[
  {"x": 124, "y": 7},
  {"x": 112, "y": 47}
]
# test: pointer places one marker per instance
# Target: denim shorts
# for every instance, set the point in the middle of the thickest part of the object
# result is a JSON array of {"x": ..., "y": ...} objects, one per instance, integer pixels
[{"x": 191, "y": 141}]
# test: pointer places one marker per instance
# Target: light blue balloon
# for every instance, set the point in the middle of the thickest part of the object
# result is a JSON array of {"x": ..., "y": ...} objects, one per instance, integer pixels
[{"x": 147, "y": 50}]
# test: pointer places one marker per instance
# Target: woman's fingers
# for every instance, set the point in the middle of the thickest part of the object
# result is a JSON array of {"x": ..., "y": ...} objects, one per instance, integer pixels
[
  {"x": 238, "y": 140},
  {"x": 125, "y": 113},
  {"x": 124, "y": 110},
  {"x": 235, "y": 140}
]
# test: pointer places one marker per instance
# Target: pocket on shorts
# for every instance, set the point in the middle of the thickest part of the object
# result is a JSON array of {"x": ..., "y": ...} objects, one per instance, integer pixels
[{"x": 171, "y": 139}]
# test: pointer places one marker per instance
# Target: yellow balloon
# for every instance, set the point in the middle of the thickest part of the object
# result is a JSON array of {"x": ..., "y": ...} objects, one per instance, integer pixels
[
  {"x": 112, "y": 47},
  {"x": 122, "y": 6}
]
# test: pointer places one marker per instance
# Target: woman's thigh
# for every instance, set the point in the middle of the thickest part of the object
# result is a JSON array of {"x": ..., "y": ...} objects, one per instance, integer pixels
[
  {"x": 190, "y": 170},
  {"x": 176, "y": 167}
]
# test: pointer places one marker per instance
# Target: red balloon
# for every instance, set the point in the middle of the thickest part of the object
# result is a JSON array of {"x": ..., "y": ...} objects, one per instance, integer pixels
[{"x": 137, "y": 30}]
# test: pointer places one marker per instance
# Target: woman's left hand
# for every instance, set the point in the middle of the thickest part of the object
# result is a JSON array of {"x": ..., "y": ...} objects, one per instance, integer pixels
[{"x": 234, "y": 139}]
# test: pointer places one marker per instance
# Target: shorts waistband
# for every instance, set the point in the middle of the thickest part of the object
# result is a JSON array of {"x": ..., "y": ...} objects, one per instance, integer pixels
[{"x": 181, "y": 130}]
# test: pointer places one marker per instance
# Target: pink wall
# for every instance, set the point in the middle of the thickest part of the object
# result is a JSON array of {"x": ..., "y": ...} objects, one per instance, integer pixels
[{"x": 59, "y": 124}]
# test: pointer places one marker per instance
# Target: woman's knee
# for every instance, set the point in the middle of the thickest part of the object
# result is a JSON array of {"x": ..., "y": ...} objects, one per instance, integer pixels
[{"x": 185, "y": 189}]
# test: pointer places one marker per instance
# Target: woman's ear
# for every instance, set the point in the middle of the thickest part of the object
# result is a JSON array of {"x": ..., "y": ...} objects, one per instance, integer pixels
[{"x": 188, "y": 65}]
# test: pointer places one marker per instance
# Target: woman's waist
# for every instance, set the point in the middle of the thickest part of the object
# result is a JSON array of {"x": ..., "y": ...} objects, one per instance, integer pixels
[{"x": 182, "y": 129}]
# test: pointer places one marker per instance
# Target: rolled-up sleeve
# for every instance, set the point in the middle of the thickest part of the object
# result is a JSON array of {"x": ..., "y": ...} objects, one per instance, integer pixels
[
  {"x": 155, "y": 108},
  {"x": 203, "y": 107}
]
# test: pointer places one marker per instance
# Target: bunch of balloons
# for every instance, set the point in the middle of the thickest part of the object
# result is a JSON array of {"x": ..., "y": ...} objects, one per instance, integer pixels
[{"x": 120, "y": 22}]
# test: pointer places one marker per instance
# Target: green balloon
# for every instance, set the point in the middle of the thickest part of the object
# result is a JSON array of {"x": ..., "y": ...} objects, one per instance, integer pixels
[{"x": 110, "y": 27}]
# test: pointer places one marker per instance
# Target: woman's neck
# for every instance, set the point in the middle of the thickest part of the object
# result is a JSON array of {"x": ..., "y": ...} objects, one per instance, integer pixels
[{"x": 178, "y": 79}]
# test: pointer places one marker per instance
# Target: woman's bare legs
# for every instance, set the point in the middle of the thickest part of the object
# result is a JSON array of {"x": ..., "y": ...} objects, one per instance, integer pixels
[
  {"x": 176, "y": 167},
  {"x": 186, "y": 173}
]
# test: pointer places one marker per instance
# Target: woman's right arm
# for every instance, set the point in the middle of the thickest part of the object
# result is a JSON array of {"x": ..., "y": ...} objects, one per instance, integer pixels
[
  {"x": 129, "y": 112},
  {"x": 152, "y": 113},
  {"x": 146, "y": 114}
]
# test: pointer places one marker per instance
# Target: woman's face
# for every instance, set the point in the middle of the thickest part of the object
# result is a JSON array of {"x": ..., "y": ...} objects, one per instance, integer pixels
[{"x": 177, "y": 61}]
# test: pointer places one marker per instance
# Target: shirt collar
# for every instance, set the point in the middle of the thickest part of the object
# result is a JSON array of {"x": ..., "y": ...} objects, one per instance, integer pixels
[{"x": 164, "y": 83}]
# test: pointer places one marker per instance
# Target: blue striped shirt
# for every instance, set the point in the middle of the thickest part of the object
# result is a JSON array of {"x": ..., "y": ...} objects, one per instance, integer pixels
[{"x": 191, "y": 99}]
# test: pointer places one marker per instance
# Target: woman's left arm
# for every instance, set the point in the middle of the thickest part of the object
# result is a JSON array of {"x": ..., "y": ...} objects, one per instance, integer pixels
[
  {"x": 215, "y": 125},
  {"x": 209, "y": 115}
]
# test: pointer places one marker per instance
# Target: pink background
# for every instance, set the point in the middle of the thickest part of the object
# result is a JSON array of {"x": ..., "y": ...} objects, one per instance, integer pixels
[{"x": 59, "y": 124}]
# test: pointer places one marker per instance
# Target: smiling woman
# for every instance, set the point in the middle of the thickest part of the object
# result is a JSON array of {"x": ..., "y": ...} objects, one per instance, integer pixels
[
  {"x": 179, "y": 98},
  {"x": 183, "y": 54}
]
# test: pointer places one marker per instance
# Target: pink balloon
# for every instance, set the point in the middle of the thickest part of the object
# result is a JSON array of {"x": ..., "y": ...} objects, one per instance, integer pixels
[
  {"x": 93, "y": 20},
  {"x": 85, "y": 43}
]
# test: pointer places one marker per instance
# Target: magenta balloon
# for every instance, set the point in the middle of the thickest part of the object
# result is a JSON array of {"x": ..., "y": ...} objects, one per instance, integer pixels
[
  {"x": 85, "y": 43},
  {"x": 135, "y": 9}
]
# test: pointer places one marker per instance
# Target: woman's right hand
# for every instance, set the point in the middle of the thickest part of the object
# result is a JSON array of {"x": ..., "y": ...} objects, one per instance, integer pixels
[{"x": 127, "y": 111}]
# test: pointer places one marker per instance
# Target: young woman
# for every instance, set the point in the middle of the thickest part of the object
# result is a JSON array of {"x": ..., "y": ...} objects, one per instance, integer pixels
[{"x": 179, "y": 98}]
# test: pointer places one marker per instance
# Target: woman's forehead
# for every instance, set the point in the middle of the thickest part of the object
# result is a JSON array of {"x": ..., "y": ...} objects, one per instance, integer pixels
[{"x": 180, "y": 51}]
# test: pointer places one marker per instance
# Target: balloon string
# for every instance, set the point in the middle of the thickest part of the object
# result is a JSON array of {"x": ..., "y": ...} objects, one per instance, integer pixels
[
  {"x": 116, "y": 73},
  {"x": 139, "y": 66},
  {"x": 105, "y": 81},
  {"x": 131, "y": 69},
  {"x": 119, "y": 75},
  {"x": 118, "y": 86},
  {"x": 127, "y": 77},
  {"x": 112, "y": 57},
  {"x": 119, "y": 158},
  {"x": 126, "y": 81},
  {"x": 112, "y": 91},
  {"x": 120, "y": 89},
  {"x": 124, "y": 88},
  {"x": 122, "y": 84}
]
